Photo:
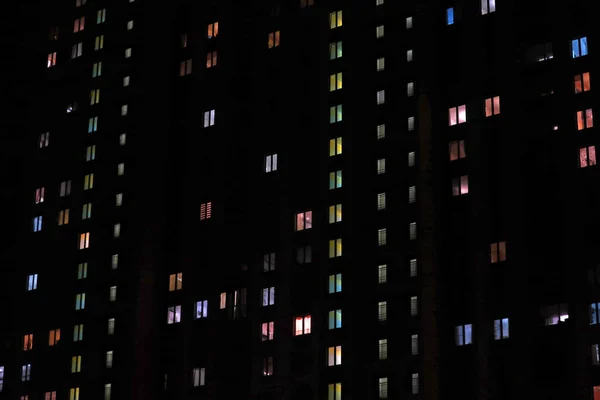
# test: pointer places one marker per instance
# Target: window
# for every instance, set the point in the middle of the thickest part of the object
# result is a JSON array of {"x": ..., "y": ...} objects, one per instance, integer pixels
[
  {"x": 335, "y": 146},
  {"x": 213, "y": 30},
  {"x": 383, "y": 388},
  {"x": 488, "y": 6},
  {"x": 587, "y": 156},
  {"x": 175, "y": 281},
  {"x": 44, "y": 140},
  {"x": 335, "y": 213},
  {"x": 79, "y": 3},
  {"x": 335, "y": 319},
  {"x": 303, "y": 220},
  {"x": 335, "y": 283},
  {"x": 209, "y": 118},
  {"x": 90, "y": 153},
  {"x": 460, "y": 185},
  {"x": 268, "y": 296},
  {"x": 412, "y": 194},
  {"x": 306, "y": 3},
  {"x": 457, "y": 150},
  {"x": 411, "y": 159},
  {"x": 128, "y": 53},
  {"x": 270, "y": 163},
  {"x": 335, "y": 19},
  {"x": 381, "y": 97},
  {"x": 268, "y": 366},
  {"x": 335, "y": 180},
  {"x": 414, "y": 344},
  {"x": 122, "y": 139},
  {"x": 124, "y": 110},
  {"x": 82, "y": 270},
  {"x": 497, "y": 252},
  {"x": 92, "y": 124},
  {"x": 26, "y": 373},
  {"x": 51, "y": 60},
  {"x": 97, "y": 69},
  {"x": 501, "y": 329},
  {"x": 595, "y": 357},
  {"x": 415, "y": 376},
  {"x": 302, "y": 325},
  {"x": 74, "y": 393},
  {"x": 411, "y": 123},
  {"x": 63, "y": 217},
  {"x": 273, "y": 39},
  {"x": 409, "y": 22},
  {"x": 211, "y": 59},
  {"x": 409, "y": 55},
  {"x": 99, "y": 43},
  {"x": 334, "y": 391},
  {"x": 112, "y": 293},
  {"x": 585, "y": 119},
  {"x": 462, "y": 335},
  {"x": 86, "y": 211},
  {"x": 84, "y": 240},
  {"x": 75, "y": 364},
  {"x": 335, "y": 50},
  {"x": 457, "y": 115},
  {"x": 382, "y": 237},
  {"x": 410, "y": 89},
  {"x": 120, "y": 169},
  {"x": 380, "y": 64},
  {"x": 594, "y": 313},
  {"x": 101, "y": 16},
  {"x": 412, "y": 230},
  {"x": 555, "y": 313},
  {"x": 382, "y": 311},
  {"x": 380, "y": 131},
  {"x": 269, "y": 262},
  {"x": 174, "y": 315},
  {"x": 185, "y": 67},
  {"x": 383, "y": 349},
  {"x": 304, "y": 255},
  {"x": 413, "y": 267},
  {"x": 335, "y": 82},
  {"x": 414, "y": 306},
  {"x": 381, "y": 166},
  {"x": 32, "y": 282},
  {"x": 579, "y": 47},
  {"x": 335, "y": 248},
  {"x": 129, "y": 25},
  {"x": 77, "y": 50},
  {"x": 78, "y": 333},
  {"x": 119, "y": 200},
  {"x": 581, "y": 82},
  {"x": 205, "y": 210},
  {"x": 126, "y": 81},
  {"x": 28, "y": 342},
  {"x": 335, "y": 114},
  {"x": 379, "y": 31},
  {"x": 111, "y": 326},
  {"x": 334, "y": 356},
  {"x": 199, "y": 377},
  {"x": 381, "y": 201},
  {"x": 382, "y": 273},
  {"x": 114, "y": 263},
  {"x": 49, "y": 395},
  {"x": 37, "y": 223},
  {"x": 223, "y": 301},
  {"x": 80, "y": 301},
  {"x": 65, "y": 188},
  {"x": 450, "y": 16},
  {"x": 79, "y": 25},
  {"x": 267, "y": 331},
  {"x": 53, "y": 337},
  {"x": 201, "y": 309}
]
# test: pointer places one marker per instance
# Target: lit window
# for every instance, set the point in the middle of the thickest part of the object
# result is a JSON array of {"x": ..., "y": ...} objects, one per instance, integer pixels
[
  {"x": 594, "y": 313},
  {"x": 32, "y": 282},
  {"x": 90, "y": 153},
  {"x": 383, "y": 388},
  {"x": 185, "y": 67},
  {"x": 335, "y": 19},
  {"x": 462, "y": 335},
  {"x": 581, "y": 82},
  {"x": 74, "y": 393},
  {"x": 268, "y": 296},
  {"x": 585, "y": 119},
  {"x": 119, "y": 200},
  {"x": 101, "y": 16},
  {"x": 213, "y": 30},
  {"x": 409, "y": 55},
  {"x": 302, "y": 325},
  {"x": 223, "y": 301},
  {"x": 409, "y": 22},
  {"x": 334, "y": 356},
  {"x": 112, "y": 293},
  {"x": 555, "y": 313},
  {"x": 92, "y": 124},
  {"x": 37, "y": 223},
  {"x": 63, "y": 217},
  {"x": 75, "y": 364},
  {"x": 205, "y": 210},
  {"x": 412, "y": 231},
  {"x": 412, "y": 194},
  {"x": 77, "y": 50},
  {"x": 335, "y": 50},
  {"x": 335, "y": 180},
  {"x": 595, "y": 359},
  {"x": 460, "y": 186},
  {"x": 492, "y": 106},
  {"x": 174, "y": 315},
  {"x": 128, "y": 53},
  {"x": 121, "y": 169},
  {"x": 209, "y": 118},
  {"x": 114, "y": 261},
  {"x": 415, "y": 376},
  {"x": 380, "y": 97},
  {"x": 122, "y": 139},
  {"x": 488, "y": 6},
  {"x": 273, "y": 39},
  {"x": 335, "y": 319},
  {"x": 211, "y": 59},
  {"x": 84, "y": 240},
  {"x": 268, "y": 366},
  {"x": 80, "y": 301},
  {"x": 199, "y": 377},
  {"x": 271, "y": 163},
  {"x": 334, "y": 391},
  {"x": 335, "y": 248},
  {"x": 39, "y": 195},
  {"x": 201, "y": 309},
  {"x": 381, "y": 166},
  {"x": 414, "y": 344},
  {"x": 82, "y": 270},
  {"x": 335, "y": 114},
  {"x": 86, "y": 211},
  {"x": 335, "y": 146},
  {"x": 304, "y": 255},
  {"x": 65, "y": 188},
  {"x": 79, "y": 25},
  {"x": 579, "y": 47},
  {"x": 269, "y": 262},
  {"x": 26, "y": 373},
  {"x": 382, "y": 273},
  {"x": 413, "y": 267},
  {"x": 124, "y": 110},
  {"x": 176, "y": 281},
  {"x": 109, "y": 359},
  {"x": 380, "y": 131},
  {"x": 51, "y": 60},
  {"x": 126, "y": 80},
  {"x": 28, "y": 342},
  {"x": 382, "y": 349},
  {"x": 450, "y": 16},
  {"x": 78, "y": 333},
  {"x": 53, "y": 337},
  {"x": 457, "y": 115},
  {"x": 381, "y": 201},
  {"x": 97, "y": 69},
  {"x": 380, "y": 64},
  {"x": 501, "y": 329},
  {"x": 411, "y": 159},
  {"x": 410, "y": 89},
  {"x": 379, "y": 31},
  {"x": 44, "y": 140},
  {"x": 267, "y": 331},
  {"x": 411, "y": 123},
  {"x": 111, "y": 326},
  {"x": 414, "y": 306},
  {"x": 587, "y": 156},
  {"x": 129, "y": 25},
  {"x": 335, "y": 213},
  {"x": 382, "y": 237},
  {"x": 48, "y": 395},
  {"x": 99, "y": 43},
  {"x": 457, "y": 150},
  {"x": 497, "y": 252},
  {"x": 382, "y": 311},
  {"x": 303, "y": 220},
  {"x": 335, "y": 283},
  {"x": 335, "y": 81}
]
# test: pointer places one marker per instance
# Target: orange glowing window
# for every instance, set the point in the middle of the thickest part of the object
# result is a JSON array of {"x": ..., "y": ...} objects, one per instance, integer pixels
[
  {"x": 302, "y": 325},
  {"x": 205, "y": 210},
  {"x": 498, "y": 252}
]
